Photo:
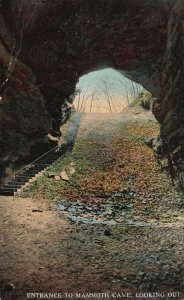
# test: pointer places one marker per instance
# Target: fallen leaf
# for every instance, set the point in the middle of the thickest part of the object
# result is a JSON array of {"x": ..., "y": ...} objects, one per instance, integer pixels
[
  {"x": 69, "y": 104},
  {"x": 70, "y": 170},
  {"x": 37, "y": 210},
  {"x": 50, "y": 175},
  {"x": 53, "y": 138},
  {"x": 12, "y": 286},
  {"x": 64, "y": 176},
  {"x": 9, "y": 287}
]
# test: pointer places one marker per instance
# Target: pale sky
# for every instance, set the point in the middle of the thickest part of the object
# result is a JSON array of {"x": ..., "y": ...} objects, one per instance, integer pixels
[{"x": 102, "y": 87}]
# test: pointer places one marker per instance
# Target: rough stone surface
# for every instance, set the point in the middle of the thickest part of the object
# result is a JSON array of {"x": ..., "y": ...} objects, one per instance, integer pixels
[
  {"x": 63, "y": 40},
  {"x": 24, "y": 120}
]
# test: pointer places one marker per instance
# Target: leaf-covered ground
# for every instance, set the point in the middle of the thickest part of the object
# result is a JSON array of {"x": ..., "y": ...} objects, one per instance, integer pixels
[{"x": 111, "y": 159}]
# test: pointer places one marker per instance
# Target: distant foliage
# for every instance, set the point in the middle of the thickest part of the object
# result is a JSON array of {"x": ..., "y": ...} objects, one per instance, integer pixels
[{"x": 144, "y": 100}]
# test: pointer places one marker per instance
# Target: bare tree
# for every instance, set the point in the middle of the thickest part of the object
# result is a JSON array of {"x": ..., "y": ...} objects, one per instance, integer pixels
[
  {"x": 132, "y": 89},
  {"x": 86, "y": 95},
  {"x": 107, "y": 94},
  {"x": 124, "y": 84},
  {"x": 93, "y": 96}
]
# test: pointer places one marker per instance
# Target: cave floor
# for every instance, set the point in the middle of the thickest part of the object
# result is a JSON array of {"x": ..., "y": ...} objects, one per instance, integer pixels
[{"x": 134, "y": 252}]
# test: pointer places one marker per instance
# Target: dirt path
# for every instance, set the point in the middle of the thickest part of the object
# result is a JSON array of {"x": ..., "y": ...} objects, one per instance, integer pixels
[{"x": 141, "y": 251}]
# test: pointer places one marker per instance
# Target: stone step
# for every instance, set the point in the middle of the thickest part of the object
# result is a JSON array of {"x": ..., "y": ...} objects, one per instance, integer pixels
[{"x": 32, "y": 171}]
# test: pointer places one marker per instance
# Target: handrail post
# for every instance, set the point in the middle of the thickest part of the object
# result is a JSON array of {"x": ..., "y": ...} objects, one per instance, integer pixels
[{"x": 14, "y": 186}]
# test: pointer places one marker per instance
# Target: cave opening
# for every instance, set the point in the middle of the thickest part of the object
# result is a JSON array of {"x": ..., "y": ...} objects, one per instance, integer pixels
[{"x": 105, "y": 91}]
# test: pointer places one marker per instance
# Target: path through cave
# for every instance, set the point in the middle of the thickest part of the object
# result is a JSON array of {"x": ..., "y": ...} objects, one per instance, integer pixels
[{"x": 114, "y": 227}]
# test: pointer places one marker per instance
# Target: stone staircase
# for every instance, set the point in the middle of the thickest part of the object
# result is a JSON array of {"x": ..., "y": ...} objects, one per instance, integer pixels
[{"x": 30, "y": 173}]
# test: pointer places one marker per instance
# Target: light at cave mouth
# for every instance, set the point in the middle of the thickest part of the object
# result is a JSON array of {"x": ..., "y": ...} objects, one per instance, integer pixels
[{"x": 105, "y": 91}]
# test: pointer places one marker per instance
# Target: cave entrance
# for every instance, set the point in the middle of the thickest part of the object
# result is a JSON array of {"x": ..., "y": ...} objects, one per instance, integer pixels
[{"x": 105, "y": 91}]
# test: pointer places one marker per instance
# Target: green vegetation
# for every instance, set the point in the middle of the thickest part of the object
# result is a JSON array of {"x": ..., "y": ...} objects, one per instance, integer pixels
[
  {"x": 144, "y": 100},
  {"x": 51, "y": 189}
]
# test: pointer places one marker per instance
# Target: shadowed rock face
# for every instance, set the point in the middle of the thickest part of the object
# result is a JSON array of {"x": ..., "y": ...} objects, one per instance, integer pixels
[
  {"x": 24, "y": 119},
  {"x": 61, "y": 40}
]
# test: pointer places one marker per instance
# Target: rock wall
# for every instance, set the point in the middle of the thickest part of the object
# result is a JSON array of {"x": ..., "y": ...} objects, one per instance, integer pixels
[
  {"x": 171, "y": 106},
  {"x": 61, "y": 40},
  {"x": 24, "y": 120}
]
